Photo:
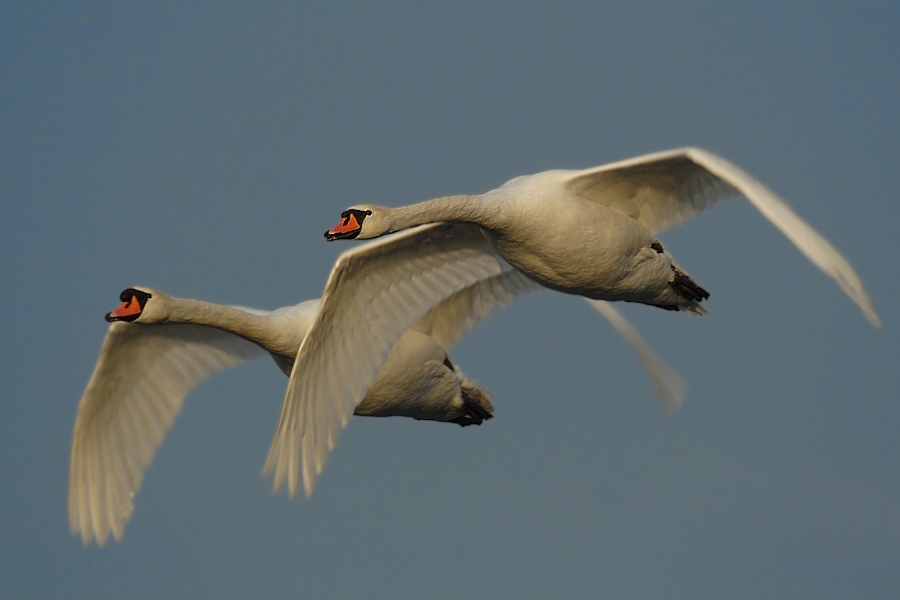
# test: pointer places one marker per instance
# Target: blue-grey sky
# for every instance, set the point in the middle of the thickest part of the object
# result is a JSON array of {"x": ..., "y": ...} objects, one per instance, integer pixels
[{"x": 203, "y": 148}]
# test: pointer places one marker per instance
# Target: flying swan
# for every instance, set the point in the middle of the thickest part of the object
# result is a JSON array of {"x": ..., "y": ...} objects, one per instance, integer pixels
[
  {"x": 589, "y": 233},
  {"x": 159, "y": 347}
]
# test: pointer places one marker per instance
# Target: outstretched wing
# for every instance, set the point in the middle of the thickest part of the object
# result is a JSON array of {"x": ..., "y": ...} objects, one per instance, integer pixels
[
  {"x": 138, "y": 387},
  {"x": 459, "y": 314},
  {"x": 665, "y": 189},
  {"x": 669, "y": 386},
  {"x": 373, "y": 295}
]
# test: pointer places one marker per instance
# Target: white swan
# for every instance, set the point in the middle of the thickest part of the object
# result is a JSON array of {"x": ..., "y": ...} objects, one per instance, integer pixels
[
  {"x": 159, "y": 347},
  {"x": 396, "y": 280},
  {"x": 146, "y": 369},
  {"x": 587, "y": 232},
  {"x": 591, "y": 232}
]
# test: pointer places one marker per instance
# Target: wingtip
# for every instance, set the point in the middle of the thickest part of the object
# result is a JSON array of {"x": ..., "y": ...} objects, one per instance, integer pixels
[
  {"x": 865, "y": 304},
  {"x": 309, "y": 488},
  {"x": 274, "y": 467},
  {"x": 268, "y": 465},
  {"x": 671, "y": 393},
  {"x": 77, "y": 531},
  {"x": 873, "y": 318}
]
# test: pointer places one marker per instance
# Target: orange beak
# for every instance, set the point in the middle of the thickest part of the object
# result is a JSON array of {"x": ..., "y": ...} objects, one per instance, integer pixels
[
  {"x": 130, "y": 308},
  {"x": 348, "y": 225}
]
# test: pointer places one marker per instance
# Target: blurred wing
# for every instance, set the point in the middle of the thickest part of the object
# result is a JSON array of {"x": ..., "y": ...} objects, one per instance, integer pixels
[
  {"x": 373, "y": 295},
  {"x": 137, "y": 389},
  {"x": 669, "y": 386},
  {"x": 665, "y": 189},
  {"x": 660, "y": 190},
  {"x": 457, "y": 315}
]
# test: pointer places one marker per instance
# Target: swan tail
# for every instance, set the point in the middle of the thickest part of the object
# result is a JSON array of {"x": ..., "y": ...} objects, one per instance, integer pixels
[
  {"x": 686, "y": 287},
  {"x": 682, "y": 294},
  {"x": 476, "y": 404}
]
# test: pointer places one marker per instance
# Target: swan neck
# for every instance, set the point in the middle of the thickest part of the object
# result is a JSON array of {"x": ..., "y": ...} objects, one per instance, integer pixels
[
  {"x": 464, "y": 209},
  {"x": 259, "y": 329}
]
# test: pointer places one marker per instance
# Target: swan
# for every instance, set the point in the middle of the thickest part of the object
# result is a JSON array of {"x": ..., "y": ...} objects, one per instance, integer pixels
[
  {"x": 589, "y": 233},
  {"x": 159, "y": 347},
  {"x": 371, "y": 289}
]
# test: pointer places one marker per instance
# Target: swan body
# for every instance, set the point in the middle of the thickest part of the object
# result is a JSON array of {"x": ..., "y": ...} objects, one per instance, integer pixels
[
  {"x": 440, "y": 279},
  {"x": 147, "y": 367}
]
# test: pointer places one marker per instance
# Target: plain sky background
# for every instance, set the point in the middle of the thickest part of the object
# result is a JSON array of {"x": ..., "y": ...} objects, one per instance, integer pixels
[{"x": 203, "y": 149}]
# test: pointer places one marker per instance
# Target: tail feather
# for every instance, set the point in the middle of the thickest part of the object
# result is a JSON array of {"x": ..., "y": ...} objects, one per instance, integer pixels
[
  {"x": 685, "y": 286},
  {"x": 476, "y": 403},
  {"x": 688, "y": 295}
]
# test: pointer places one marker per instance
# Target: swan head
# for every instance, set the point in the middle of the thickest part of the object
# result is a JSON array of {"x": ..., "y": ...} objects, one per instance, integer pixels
[
  {"x": 362, "y": 222},
  {"x": 136, "y": 305}
]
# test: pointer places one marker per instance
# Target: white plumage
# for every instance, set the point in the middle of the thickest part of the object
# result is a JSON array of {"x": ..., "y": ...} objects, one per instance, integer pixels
[
  {"x": 147, "y": 368},
  {"x": 589, "y": 232}
]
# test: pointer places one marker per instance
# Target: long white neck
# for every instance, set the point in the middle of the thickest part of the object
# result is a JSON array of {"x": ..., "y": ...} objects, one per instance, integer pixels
[
  {"x": 280, "y": 332},
  {"x": 463, "y": 209}
]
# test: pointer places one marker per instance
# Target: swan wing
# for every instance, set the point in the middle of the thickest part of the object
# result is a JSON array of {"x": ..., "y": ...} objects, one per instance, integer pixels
[
  {"x": 669, "y": 386},
  {"x": 374, "y": 294},
  {"x": 137, "y": 389},
  {"x": 665, "y": 189},
  {"x": 460, "y": 313}
]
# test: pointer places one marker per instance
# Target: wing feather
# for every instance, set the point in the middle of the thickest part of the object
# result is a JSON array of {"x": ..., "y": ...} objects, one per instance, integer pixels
[
  {"x": 665, "y": 189},
  {"x": 375, "y": 293},
  {"x": 669, "y": 386},
  {"x": 136, "y": 391},
  {"x": 460, "y": 313},
  {"x": 661, "y": 190}
]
